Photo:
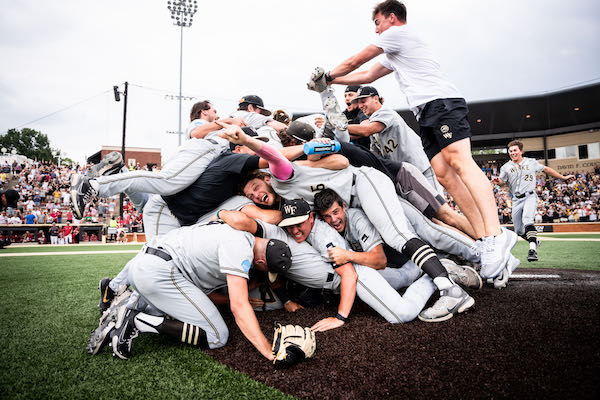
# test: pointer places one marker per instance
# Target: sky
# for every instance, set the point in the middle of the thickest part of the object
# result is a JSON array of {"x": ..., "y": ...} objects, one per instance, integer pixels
[{"x": 60, "y": 59}]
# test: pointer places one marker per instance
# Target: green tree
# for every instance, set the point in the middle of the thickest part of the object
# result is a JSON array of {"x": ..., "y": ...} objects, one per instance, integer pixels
[{"x": 30, "y": 143}]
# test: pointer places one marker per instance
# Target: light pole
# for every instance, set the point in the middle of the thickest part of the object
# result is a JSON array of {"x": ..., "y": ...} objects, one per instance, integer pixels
[
  {"x": 118, "y": 98},
  {"x": 182, "y": 12}
]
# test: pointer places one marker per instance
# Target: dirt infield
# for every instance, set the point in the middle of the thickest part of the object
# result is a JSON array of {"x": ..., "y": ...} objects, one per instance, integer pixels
[{"x": 538, "y": 338}]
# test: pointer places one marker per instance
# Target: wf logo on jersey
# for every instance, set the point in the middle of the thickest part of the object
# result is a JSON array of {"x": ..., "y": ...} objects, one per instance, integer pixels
[
  {"x": 246, "y": 265},
  {"x": 445, "y": 129}
]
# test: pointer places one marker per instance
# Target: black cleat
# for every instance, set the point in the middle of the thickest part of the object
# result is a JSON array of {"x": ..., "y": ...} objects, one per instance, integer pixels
[
  {"x": 124, "y": 333},
  {"x": 110, "y": 164},
  {"x": 82, "y": 193},
  {"x": 532, "y": 255},
  {"x": 106, "y": 295}
]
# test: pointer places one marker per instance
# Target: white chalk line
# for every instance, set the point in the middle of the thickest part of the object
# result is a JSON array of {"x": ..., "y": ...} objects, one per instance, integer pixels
[{"x": 66, "y": 253}]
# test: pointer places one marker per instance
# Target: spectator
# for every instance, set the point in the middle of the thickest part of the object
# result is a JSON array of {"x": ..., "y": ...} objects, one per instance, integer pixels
[{"x": 54, "y": 233}]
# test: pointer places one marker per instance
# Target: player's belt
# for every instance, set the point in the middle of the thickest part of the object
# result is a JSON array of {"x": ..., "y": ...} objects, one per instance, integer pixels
[
  {"x": 158, "y": 253},
  {"x": 520, "y": 196}
]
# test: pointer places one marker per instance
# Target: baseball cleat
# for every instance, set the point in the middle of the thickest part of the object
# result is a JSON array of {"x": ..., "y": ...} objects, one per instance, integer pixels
[
  {"x": 501, "y": 280},
  {"x": 452, "y": 301},
  {"x": 110, "y": 164},
  {"x": 463, "y": 275},
  {"x": 106, "y": 295},
  {"x": 532, "y": 255},
  {"x": 334, "y": 115},
  {"x": 495, "y": 253},
  {"x": 82, "y": 193},
  {"x": 317, "y": 80},
  {"x": 101, "y": 336},
  {"x": 124, "y": 333}
]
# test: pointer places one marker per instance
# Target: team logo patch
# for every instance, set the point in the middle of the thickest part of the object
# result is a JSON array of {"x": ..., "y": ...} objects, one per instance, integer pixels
[
  {"x": 445, "y": 129},
  {"x": 246, "y": 265}
]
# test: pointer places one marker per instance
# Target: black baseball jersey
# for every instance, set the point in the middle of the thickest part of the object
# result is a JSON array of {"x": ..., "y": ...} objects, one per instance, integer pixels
[{"x": 218, "y": 183}]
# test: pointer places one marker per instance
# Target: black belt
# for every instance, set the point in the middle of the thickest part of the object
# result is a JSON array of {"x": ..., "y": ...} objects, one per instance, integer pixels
[
  {"x": 158, "y": 253},
  {"x": 520, "y": 196}
]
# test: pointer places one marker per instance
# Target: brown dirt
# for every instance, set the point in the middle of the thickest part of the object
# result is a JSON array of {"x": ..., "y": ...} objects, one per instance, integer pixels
[{"x": 534, "y": 339}]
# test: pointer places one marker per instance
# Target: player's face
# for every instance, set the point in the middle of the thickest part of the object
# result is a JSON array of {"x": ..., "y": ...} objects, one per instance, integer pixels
[
  {"x": 348, "y": 97},
  {"x": 210, "y": 115},
  {"x": 382, "y": 23},
  {"x": 335, "y": 216},
  {"x": 260, "y": 191},
  {"x": 368, "y": 105},
  {"x": 300, "y": 232},
  {"x": 515, "y": 153}
]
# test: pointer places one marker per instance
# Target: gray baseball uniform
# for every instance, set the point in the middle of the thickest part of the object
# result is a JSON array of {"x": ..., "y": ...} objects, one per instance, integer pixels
[
  {"x": 311, "y": 267},
  {"x": 199, "y": 258},
  {"x": 361, "y": 235},
  {"x": 366, "y": 187},
  {"x": 521, "y": 181},
  {"x": 188, "y": 163}
]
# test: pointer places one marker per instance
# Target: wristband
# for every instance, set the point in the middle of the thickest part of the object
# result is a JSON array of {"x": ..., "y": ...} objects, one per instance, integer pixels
[
  {"x": 328, "y": 77},
  {"x": 218, "y": 214},
  {"x": 341, "y": 318}
]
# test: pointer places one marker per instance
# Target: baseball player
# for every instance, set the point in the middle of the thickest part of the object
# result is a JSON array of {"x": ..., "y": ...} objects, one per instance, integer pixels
[
  {"x": 442, "y": 115},
  {"x": 375, "y": 193},
  {"x": 367, "y": 246},
  {"x": 203, "y": 126},
  {"x": 176, "y": 272},
  {"x": 519, "y": 175},
  {"x": 309, "y": 240}
]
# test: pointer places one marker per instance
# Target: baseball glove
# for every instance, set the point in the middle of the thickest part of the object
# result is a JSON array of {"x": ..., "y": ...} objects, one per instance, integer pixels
[
  {"x": 317, "y": 80},
  {"x": 292, "y": 344}
]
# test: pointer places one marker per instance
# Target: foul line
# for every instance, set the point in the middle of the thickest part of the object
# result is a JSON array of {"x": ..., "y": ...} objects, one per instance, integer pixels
[
  {"x": 66, "y": 253},
  {"x": 534, "y": 276}
]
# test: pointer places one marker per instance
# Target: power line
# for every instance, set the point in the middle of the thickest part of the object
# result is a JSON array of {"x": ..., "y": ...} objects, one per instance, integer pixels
[{"x": 59, "y": 111}]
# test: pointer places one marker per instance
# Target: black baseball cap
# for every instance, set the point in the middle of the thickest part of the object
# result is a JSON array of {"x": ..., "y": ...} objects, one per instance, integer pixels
[
  {"x": 250, "y": 132},
  {"x": 294, "y": 212},
  {"x": 301, "y": 131},
  {"x": 279, "y": 258},
  {"x": 12, "y": 196},
  {"x": 352, "y": 88},
  {"x": 255, "y": 101},
  {"x": 365, "y": 91}
]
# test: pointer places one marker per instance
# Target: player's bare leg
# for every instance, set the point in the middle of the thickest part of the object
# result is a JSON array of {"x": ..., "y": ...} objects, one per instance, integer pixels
[
  {"x": 455, "y": 220},
  {"x": 460, "y": 193}
]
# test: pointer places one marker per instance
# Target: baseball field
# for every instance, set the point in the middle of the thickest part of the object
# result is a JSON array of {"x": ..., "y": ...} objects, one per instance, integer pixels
[{"x": 538, "y": 338}]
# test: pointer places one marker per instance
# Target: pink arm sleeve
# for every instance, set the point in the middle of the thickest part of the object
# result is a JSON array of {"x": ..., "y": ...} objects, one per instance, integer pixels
[{"x": 280, "y": 167}]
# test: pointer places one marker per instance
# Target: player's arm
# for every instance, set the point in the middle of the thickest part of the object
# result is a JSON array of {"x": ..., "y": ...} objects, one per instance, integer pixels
[
  {"x": 374, "y": 258},
  {"x": 244, "y": 315},
  {"x": 278, "y": 126},
  {"x": 362, "y": 77},
  {"x": 238, "y": 220},
  {"x": 556, "y": 174},
  {"x": 270, "y": 216},
  {"x": 203, "y": 130},
  {"x": 498, "y": 181},
  {"x": 334, "y": 162},
  {"x": 347, "y": 295},
  {"x": 280, "y": 166},
  {"x": 365, "y": 129},
  {"x": 352, "y": 63},
  {"x": 290, "y": 152}
]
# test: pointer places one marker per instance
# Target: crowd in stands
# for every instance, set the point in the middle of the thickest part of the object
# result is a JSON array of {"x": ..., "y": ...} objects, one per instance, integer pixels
[
  {"x": 44, "y": 190},
  {"x": 45, "y": 199}
]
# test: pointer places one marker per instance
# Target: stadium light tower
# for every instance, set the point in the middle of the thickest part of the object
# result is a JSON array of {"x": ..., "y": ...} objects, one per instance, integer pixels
[{"x": 182, "y": 13}]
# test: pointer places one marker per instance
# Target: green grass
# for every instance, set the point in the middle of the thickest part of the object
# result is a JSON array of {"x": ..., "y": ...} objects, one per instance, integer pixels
[
  {"x": 561, "y": 254},
  {"x": 47, "y": 311},
  {"x": 581, "y": 235},
  {"x": 57, "y": 248}
]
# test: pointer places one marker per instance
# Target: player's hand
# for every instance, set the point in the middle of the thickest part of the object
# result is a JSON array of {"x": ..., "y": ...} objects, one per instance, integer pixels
[
  {"x": 254, "y": 302},
  {"x": 319, "y": 122},
  {"x": 237, "y": 121},
  {"x": 326, "y": 324},
  {"x": 338, "y": 255},
  {"x": 292, "y": 306},
  {"x": 233, "y": 133},
  {"x": 323, "y": 140},
  {"x": 569, "y": 177}
]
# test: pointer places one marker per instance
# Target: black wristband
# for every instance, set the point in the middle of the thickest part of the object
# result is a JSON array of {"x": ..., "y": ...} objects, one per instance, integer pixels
[
  {"x": 328, "y": 77},
  {"x": 341, "y": 318}
]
